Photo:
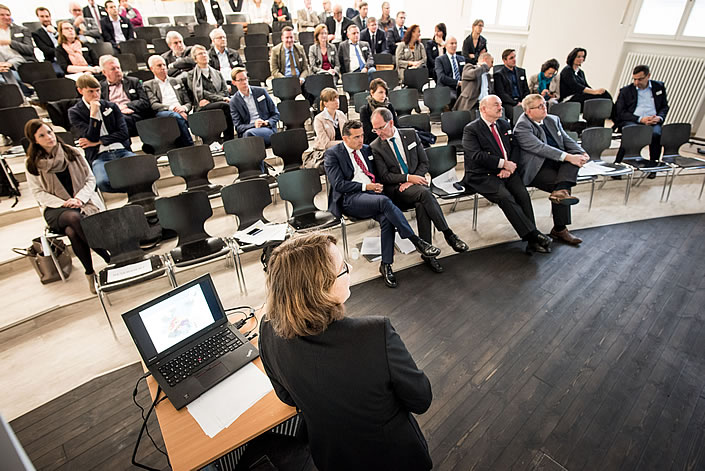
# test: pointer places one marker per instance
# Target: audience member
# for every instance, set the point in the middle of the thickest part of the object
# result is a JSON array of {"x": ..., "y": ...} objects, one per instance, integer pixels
[
  {"x": 642, "y": 102},
  {"x": 402, "y": 165},
  {"x": 208, "y": 12},
  {"x": 288, "y": 59},
  {"x": 327, "y": 11},
  {"x": 168, "y": 97},
  {"x": 259, "y": 12},
  {"x": 126, "y": 92},
  {"x": 355, "y": 55},
  {"x": 411, "y": 53},
  {"x": 208, "y": 89},
  {"x": 327, "y": 125},
  {"x": 475, "y": 44},
  {"x": 307, "y": 18},
  {"x": 87, "y": 29},
  {"x": 378, "y": 99},
  {"x": 61, "y": 181},
  {"x": 510, "y": 82},
  {"x": 374, "y": 36},
  {"x": 221, "y": 57},
  {"x": 544, "y": 83},
  {"x": 46, "y": 38},
  {"x": 102, "y": 130},
  {"x": 131, "y": 14},
  {"x": 280, "y": 12},
  {"x": 449, "y": 69},
  {"x": 353, "y": 11},
  {"x": 396, "y": 33},
  {"x": 360, "y": 19},
  {"x": 358, "y": 407},
  {"x": 549, "y": 160},
  {"x": 491, "y": 170},
  {"x": 115, "y": 28},
  {"x": 15, "y": 40},
  {"x": 178, "y": 58},
  {"x": 573, "y": 85},
  {"x": 436, "y": 47},
  {"x": 96, "y": 13},
  {"x": 322, "y": 56},
  {"x": 476, "y": 83},
  {"x": 337, "y": 26},
  {"x": 71, "y": 55},
  {"x": 355, "y": 191},
  {"x": 252, "y": 109}
]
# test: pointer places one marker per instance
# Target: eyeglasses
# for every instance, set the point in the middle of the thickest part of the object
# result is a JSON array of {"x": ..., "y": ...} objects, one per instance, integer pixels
[
  {"x": 346, "y": 270},
  {"x": 542, "y": 105},
  {"x": 378, "y": 130}
]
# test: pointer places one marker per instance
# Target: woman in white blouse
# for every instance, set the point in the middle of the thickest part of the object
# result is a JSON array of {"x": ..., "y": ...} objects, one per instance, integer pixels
[{"x": 259, "y": 12}]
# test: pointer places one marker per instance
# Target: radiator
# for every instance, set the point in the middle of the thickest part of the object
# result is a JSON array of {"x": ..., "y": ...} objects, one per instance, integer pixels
[{"x": 683, "y": 77}]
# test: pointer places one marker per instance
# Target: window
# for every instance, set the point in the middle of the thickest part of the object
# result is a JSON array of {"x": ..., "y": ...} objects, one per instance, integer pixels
[
  {"x": 675, "y": 18},
  {"x": 509, "y": 13},
  {"x": 694, "y": 26}
]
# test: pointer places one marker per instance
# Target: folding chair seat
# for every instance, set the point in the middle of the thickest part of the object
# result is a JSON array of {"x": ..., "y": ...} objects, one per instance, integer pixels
[{"x": 404, "y": 100}]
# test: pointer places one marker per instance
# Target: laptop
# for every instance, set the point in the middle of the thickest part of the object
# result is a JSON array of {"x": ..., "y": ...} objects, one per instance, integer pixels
[{"x": 186, "y": 342}]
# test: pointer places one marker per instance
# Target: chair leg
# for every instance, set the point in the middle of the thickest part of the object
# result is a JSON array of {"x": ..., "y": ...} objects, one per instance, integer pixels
[
  {"x": 170, "y": 272},
  {"x": 702, "y": 187},
  {"x": 592, "y": 193},
  {"x": 455, "y": 205},
  {"x": 665, "y": 183},
  {"x": 101, "y": 294},
  {"x": 474, "y": 212},
  {"x": 670, "y": 187},
  {"x": 344, "y": 233},
  {"x": 629, "y": 188}
]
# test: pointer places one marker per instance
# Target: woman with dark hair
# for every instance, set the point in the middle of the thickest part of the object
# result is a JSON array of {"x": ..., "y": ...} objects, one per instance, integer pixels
[
  {"x": 72, "y": 55},
  {"x": 436, "y": 47},
  {"x": 410, "y": 54},
  {"x": 63, "y": 184},
  {"x": 475, "y": 44},
  {"x": 280, "y": 12},
  {"x": 573, "y": 85},
  {"x": 378, "y": 98},
  {"x": 543, "y": 83},
  {"x": 352, "y": 378},
  {"x": 322, "y": 55}
]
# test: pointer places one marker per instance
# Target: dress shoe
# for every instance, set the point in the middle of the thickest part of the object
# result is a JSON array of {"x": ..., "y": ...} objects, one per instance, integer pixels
[
  {"x": 651, "y": 176},
  {"x": 388, "y": 275},
  {"x": 565, "y": 236},
  {"x": 563, "y": 197},
  {"x": 432, "y": 263},
  {"x": 426, "y": 249},
  {"x": 455, "y": 243},
  {"x": 91, "y": 282},
  {"x": 544, "y": 241},
  {"x": 537, "y": 247}
]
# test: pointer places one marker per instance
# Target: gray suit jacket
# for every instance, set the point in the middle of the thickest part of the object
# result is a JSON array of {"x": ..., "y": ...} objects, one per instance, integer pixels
[
  {"x": 154, "y": 93},
  {"x": 470, "y": 84},
  {"x": 388, "y": 168},
  {"x": 21, "y": 42},
  {"x": 344, "y": 55},
  {"x": 315, "y": 59},
  {"x": 305, "y": 22},
  {"x": 533, "y": 148}
]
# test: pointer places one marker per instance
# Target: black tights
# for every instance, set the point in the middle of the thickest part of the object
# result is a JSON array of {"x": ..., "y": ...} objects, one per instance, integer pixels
[{"x": 70, "y": 223}]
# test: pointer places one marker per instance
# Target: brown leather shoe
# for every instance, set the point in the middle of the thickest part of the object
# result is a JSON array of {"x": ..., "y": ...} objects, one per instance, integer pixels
[
  {"x": 565, "y": 236},
  {"x": 563, "y": 197}
]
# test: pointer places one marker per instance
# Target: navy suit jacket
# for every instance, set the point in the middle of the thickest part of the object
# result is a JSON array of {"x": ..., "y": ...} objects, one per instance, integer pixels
[
  {"x": 109, "y": 35},
  {"x": 340, "y": 173},
  {"x": 444, "y": 71},
  {"x": 378, "y": 42},
  {"x": 80, "y": 118},
  {"x": 266, "y": 109},
  {"x": 628, "y": 98}
]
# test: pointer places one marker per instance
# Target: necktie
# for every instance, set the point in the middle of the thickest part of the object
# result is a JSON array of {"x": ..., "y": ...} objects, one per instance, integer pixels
[
  {"x": 364, "y": 22},
  {"x": 292, "y": 64},
  {"x": 402, "y": 164},
  {"x": 493, "y": 126},
  {"x": 362, "y": 166},
  {"x": 456, "y": 74},
  {"x": 97, "y": 18},
  {"x": 359, "y": 57},
  {"x": 549, "y": 139}
]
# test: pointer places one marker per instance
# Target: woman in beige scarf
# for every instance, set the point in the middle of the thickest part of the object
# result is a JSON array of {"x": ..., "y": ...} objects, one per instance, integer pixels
[{"x": 64, "y": 186}]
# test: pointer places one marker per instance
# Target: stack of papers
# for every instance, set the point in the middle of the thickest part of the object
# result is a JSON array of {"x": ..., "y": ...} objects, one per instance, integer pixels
[
  {"x": 404, "y": 246},
  {"x": 128, "y": 271},
  {"x": 446, "y": 181},
  {"x": 593, "y": 168},
  {"x": 260, "y": 233}
]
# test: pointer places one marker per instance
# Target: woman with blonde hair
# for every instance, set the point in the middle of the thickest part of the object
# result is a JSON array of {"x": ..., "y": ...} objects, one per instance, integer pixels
[
  {"x": 71, "y": 54},
  {"x": 410, "y": 54},
  {"x": 475, "y": 44},
  {"x": 353, "y": 379},
  {"x": 328, "y": 125},
  {"x": 322, "y": 55}
]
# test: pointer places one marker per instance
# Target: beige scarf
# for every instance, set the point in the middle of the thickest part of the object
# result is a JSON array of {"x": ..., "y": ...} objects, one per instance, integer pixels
[{"x": 75, "y": 52}]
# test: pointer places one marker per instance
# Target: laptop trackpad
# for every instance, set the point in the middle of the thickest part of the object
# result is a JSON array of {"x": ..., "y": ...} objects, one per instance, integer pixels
[{"x": 212, "y": 375}]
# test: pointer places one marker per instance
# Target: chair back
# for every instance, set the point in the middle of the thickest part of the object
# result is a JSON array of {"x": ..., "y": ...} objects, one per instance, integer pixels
[
  {"x": 517, "y": 111},
  {"x": 30, "y": 72},
  {"x": 185, "y": 214},
  {"x": 202, "y": 40},
  {"x": 138, "y": 47},
  {"x": 355, "y": 82},
  {"x": 416, "y": 78},
  {"x": 441, "y": 159},
  {"x": 343, "y": 103},
  {"x": 247, "y": 154},
  {"x": 384, "y": 58},
  {"x": 257, "y": 69},
  {"x": 390, "y": 77},
  {"x": 12, "y": 121},
  {"x": 256, "y": 39},
  {"x": 360, "y": 100},
  {"x": 181, "y": 29},
  {"x": 102, "y": 49},
  {"x": 306, "y": 37},
  {"x": 55, "y": 89},
  {"x": 148, "y": 33},
  {"x": 128, "y": 62},
  {"x": 141, "y": 74},
  {"x": 294, "y": 113},
  {"x": 286, "y": 88},
  {"x": 568, "y": 112},
  {"x": 276, "y": 38},
  {"x": 290, "y": 146},
  {"x": 184, "y": 20},
  {"x": 404, "y": 100},
  {"x": 233, "y": 30},
  {"x": 10, "y": 95},
  {"x": 159, "y": 133},
  {"x": 247, "y": 200},
  {"x": 635, "y": 138},
  {"x": 596, "y": 111},
  {"x": 207, "y": 124},
  {"x": 119, "y": 231},
  {"x": 59, "y": 112},
  {"x": 192, "y": 164},
  {"x": 673, "y": 136},
  {"x": 203, "y": 30},
  {"x": 160, "y": 45},
  {"x": 300, "y": 187},
  {"x": 420, "y": 121},
  {"x": 453, "y": 123},
  {"x": 436, "y": 99},
  {"x": 234, "y": 40},
  {"x": 236, "y": 18},
  {"x": 257, "y": 28},
  {"x": 277, "y": 26},
  {"x": 158, "y": 20},
  {"x": 316, "y": 83},
  {"x": 135, "y": 176}
]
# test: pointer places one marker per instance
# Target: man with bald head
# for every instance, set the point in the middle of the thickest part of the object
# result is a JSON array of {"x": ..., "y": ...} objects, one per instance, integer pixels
[
  {"x": 491, "y": 170},
  {"x": 449, "y": 69},
  {"x": 337, "y": 26}
]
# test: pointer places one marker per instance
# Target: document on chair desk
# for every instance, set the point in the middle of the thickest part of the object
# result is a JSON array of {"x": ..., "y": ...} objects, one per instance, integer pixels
[
  {"x": 220, "y": 406},
  {"x": 259, "y": 233},
  {"x": 594, "y": 168},
  {"x": 128, "y": 271}
]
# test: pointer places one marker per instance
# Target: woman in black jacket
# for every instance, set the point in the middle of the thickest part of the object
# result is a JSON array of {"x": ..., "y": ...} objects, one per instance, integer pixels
[
  {"x": 378, "y": 97},
  {"x": 573, "y": 85},
  {"x": 73, "y": 56},
  {"x": 280, "y": 12}
]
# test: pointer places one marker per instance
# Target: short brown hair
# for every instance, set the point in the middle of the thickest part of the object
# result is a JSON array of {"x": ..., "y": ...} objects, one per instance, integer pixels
[
  {"x": 300, "y": 276},
  {"x": 506, "y": 53},
  {"x": 477, "y": 22},
  {"x": 38, "y": 9},
  {"x": 378, "y": 82},
  {"x": 362, "y": 4},
  {"x": 328, "y": 94},
  {"x": 87, "y": 81},
  {"x": 287, "y": 28}
]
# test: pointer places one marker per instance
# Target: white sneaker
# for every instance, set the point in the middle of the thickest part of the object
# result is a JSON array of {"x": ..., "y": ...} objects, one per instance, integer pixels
[{"x": 216, "y": 147}]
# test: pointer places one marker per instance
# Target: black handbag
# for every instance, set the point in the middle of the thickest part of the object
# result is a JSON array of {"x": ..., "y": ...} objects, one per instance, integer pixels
[{"x": 43, "y": 264}]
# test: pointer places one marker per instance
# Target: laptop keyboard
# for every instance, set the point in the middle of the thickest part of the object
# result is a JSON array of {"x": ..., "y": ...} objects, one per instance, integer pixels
[{"x": 198, "y": 356}]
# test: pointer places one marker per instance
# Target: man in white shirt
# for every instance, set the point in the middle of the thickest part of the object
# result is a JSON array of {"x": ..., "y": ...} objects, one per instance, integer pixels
[
  {"x": 116, "y": 29},
  {"x": 307, "y": 18},
  {"x": 355, "y": 55},
  {"x": 221, "y": 57},
  {"x": 96, "y": 12},
  {"x": 337, "y": 26},
  {"x": 449, "y": 69}
]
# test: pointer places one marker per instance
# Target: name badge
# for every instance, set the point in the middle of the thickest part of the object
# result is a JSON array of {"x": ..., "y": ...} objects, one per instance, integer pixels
[
  {"x": 107, "y": 111},
  {"x": 379, "y": 42},
  {"x": 509, "y": 131},
  {"x": 559, "y": 134},
  {"x": 123, "y": 25},
  {"x": 522, "y": 78},
  {"x": 363, "y": 48},
  {"x": 177, "y": 86},
  {"x": 215, "y": 6},
  {"x": 369, "y": 157},
  {"x": 103, "y": 13},
  {"x": 132, "y": 90},
  {"x": 411, "y": 146},
  {"x": 84, "y": 49},
  {"x": 659, "y": 92},
  {"x": 261, "y": 98},
  {"x": 19, "y": 35}
]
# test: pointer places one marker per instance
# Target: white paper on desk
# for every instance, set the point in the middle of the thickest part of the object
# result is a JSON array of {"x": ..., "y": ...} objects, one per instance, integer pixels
[
  {"x": 445, "y": 181},
  {"x": 267, "y": 233},
  {"x": 221, "y": 405},
  {"x": 371, "y": 246},
  {"x": 405, "y": 246},
  {"x": 594, "y": 168},
  {"x": 128, "y": 271}
]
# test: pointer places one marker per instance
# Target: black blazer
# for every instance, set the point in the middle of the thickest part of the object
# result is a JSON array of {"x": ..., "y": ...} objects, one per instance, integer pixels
[
  {"x": 87, "y": 13},
  {"x": 393, "y": 36},
  {"x": 482, "y": 154},
  {"x": 366, "y": 118},
  {"x": 378, "y": 43},
  {"x": 62, "y": 57},
  {"x": 388, "y": 167},
  {"x": 80, "y": 118},
  {"x": 572, "y": 83},
  {"x": 469, "y": 48},
  {"x": 285, "y": 12},
  {"x": 139, "y": 102},
  {"x": 444, "y": 70},
  {"x": 433, "y": 51},
  {"x": 340, "y": 173},
  {"x": 627, "y": 101},
  {"x": 109, "y": 34},
  {"x": 201, "y": 15},
  {"x": 357, "y": 386},
  {"x": 330, "y": 24},
  {"x": 43, "y": 42},
  {"x": 233, "y": 58},
  {"x": 503, "y": 85}
]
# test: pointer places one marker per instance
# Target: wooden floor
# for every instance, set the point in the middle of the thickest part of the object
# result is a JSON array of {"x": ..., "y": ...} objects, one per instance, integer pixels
[{"x": 590, "y": 358}]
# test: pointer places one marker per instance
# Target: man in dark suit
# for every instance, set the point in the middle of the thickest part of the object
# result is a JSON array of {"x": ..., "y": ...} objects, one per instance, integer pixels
[
  {"x": 337, "y": 26},
  {"x": 126, "y": 92},
  {"x": 253, "y": 111},
  {"x": 549, "y": 160},
  {"x": 221, "y": 57},
  {"x": 402, "y": 165},
  {"x": 114, "y": 27},
  {"x": 355, "y": 55},
  {"x": 203, "y": 8},
  {"x": 355, "y": 190},
  {"x": 178, "y": 57},
  {"x": 46, "y": 38},
  {"x": 491, "y": 170},
  {"x": 510, "y": 82},
  {"x": 374, "y": 36},
  {"x": 449, "y": 69},
  {"x": 361, "y": 18},
  {"x": 396, "y": 33},
  {"x": 96, "y": 12},
  {"x": 643, "y": 102},
  {"x": 102, "y": 128}
]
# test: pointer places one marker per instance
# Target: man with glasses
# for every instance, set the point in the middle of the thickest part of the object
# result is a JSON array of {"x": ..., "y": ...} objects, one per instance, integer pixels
[
  {"x": 178, "y": 58},
  {"x": 221, "y": 57},
  {"x": 402, "y": 165},
  {"x": 549, "y": 160},
  {"x": 355, "y": 190},
  {"x": 86, "y": 28},
  {"x": 252, "y": 109}
]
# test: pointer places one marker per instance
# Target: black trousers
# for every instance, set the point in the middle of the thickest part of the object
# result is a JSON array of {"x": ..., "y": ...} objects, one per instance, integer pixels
[
  {"x": 552, "y": 175},
  {"x": 427, "y": 208},
  {"x": 131, "y": 121},
  {"x": 514, "y": 201}
]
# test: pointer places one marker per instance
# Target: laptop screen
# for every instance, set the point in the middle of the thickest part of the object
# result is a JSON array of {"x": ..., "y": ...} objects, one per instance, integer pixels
[{"x": 174, "y": 317}]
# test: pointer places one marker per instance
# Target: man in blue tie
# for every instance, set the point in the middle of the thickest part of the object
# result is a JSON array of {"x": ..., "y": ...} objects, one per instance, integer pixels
[
  {"x": 289, "y": 59},
  {"x": 355, "y": 55},
  {"x": 449, "y": 69}
]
